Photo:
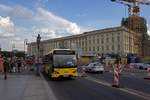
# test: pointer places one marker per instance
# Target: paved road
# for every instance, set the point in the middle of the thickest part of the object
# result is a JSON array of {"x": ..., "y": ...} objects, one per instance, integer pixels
[
  {"x": 98, "y": 86},
  {"x": 127, "y": 80}
]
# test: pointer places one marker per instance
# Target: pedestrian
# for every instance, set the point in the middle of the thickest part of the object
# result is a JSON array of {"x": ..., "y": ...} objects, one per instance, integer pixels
[
  {"x": 9, "y": 60},
  {"x": 1, "y": 63},
  {"x": 11, "y": 65},
  {"x": 38, "y": 65},
  {"x": 14, "y": 66},
  {"x": 6, "y": 67},
  {"x": 19, "y": 64}
]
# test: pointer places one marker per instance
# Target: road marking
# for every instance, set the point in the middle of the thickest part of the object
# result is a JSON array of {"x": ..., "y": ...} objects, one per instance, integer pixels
[
  {"x": 129, "y": 75},
  {"x": 127, "y": 90},
  {"x": 98, "y": 81},
  {"x": 136, "y": 93},
  {"x": 50, "y": 93}
]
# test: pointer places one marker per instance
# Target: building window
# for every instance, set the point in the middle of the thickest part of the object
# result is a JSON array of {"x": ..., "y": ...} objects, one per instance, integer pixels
[
  {"x": 107, "y": 48},
  {"x": 107, "y": 39},
  {"x": 107, "y": 35},
  {"x": 89, "y": 41},
  {"x": 93, "y": 37},
  {"x": 93, "y": 41},
  {"x": 112, "y": 47},
  {"x": 89, "y": 48},
  {"x": 112, "y": 39},
  {"x": 102, "y": 48},
  {"x": 82, "y": 43},
  {"x": 94, "y": 49},
  {"x": 83, "y": 49},
  {"x": 118, "y": 47},
  {"x": 97, "y": 48},
  {"x": 102, "y": 40},
  {"x": 86, "y": 49},
  {"x": 97, "y": 40},
  {"x": 118, "y": 38}
]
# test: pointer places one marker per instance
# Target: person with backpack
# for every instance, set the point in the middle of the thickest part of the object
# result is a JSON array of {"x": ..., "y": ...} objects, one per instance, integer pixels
[{"x": 6, "y": 67}]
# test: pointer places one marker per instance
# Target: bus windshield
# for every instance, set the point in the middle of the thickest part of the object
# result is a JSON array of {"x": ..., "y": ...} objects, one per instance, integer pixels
[{"x": 64, "y": 61}]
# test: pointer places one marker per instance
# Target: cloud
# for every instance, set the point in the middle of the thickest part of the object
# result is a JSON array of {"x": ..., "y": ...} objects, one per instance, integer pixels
[
  {"x": 5, "y": 8},
  {"x": 17, "y": 39},
  {"x": 16, "y": 11},
  {"x": 39, "y": 20},
  {"x": 47, "y": 33},
  {"x": 6, "y": 27},
  {"x": 5, "y": 22},
  {"x": 8, "y": 34},
  {"x": 56, "y": 22},
  {"x": 39, "y": 14},
  {"x": 148, "y": 32}
]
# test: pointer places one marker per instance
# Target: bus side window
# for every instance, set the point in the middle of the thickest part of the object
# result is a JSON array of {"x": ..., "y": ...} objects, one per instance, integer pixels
[{"x": 50, "y": 58}]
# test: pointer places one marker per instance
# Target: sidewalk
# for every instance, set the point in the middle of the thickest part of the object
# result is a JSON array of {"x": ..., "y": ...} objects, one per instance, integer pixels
[{"x": 25, "y": 87}]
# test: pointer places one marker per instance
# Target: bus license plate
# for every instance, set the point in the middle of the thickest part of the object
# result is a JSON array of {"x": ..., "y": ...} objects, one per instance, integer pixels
[{"x": 65, "y": 75}]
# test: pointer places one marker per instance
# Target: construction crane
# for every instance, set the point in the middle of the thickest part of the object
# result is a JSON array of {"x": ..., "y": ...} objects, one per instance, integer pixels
[
  {"x": 134, "y": 22},
  {"x": 133, "y": 5}
]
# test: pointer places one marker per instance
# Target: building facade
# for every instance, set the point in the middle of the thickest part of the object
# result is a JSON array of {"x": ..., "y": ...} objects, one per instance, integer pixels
[{"x": 110, "y": 40}]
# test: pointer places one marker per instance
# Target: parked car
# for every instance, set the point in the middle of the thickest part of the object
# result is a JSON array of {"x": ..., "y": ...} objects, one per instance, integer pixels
[
  {"x": 137, "y": 65},
  {"x": 95, "y": 67},
  {"x": 141, "y": 66},
  {"x": 146, "y": 66},
  {"x": 132, "y": 65}
]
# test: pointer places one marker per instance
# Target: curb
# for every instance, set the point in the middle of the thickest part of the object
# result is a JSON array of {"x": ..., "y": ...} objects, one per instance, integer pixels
[{"x": 49, "y": 91}]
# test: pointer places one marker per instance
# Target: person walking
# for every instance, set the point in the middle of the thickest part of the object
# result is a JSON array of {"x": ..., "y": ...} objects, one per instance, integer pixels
[
  {"x": 1, "y": 63},
  {"x": 11, "y": 65},
  {"x": 19, "y": 64},
  {"x": 6, "y": 67},
  {"x": 38, "y": 65}
]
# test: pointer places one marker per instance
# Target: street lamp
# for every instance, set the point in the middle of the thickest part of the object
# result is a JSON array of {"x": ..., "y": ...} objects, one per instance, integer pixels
[
  {"x": 25, "y": 43},
  {"x": 38, "y": 44}
]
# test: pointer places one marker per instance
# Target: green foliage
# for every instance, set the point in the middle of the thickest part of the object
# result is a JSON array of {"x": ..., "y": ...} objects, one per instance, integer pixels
[{"x": 11, "y": 54}]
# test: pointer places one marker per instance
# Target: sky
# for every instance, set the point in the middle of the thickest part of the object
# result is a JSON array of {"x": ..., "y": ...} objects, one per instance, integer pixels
[{"x": 23, "y": 19}]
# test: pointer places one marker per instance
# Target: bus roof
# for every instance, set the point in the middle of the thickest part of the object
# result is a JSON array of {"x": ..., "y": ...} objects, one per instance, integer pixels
[{"x": 56, "y": 50}]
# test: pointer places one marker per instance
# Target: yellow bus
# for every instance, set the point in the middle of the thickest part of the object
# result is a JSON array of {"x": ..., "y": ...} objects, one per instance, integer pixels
[{"x": 61, "y": 63}]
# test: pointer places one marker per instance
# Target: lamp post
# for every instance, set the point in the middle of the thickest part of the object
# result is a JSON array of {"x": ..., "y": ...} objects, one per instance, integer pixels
[
  {"x": 25, "y": 43},
  {"x": 38, "y": 45}
]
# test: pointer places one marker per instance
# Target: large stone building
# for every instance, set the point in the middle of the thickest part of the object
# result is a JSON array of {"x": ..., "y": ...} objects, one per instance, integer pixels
[
  {"x": 110, "y": 40},
  {"x": 139, "y": 25}
]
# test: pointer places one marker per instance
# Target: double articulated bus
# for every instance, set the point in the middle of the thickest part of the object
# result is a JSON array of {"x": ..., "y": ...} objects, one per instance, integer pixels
[{"x": 60, "y": 63}]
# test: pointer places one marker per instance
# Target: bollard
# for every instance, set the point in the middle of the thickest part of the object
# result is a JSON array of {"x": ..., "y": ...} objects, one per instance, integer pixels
[
  {"x": 116, "y": 76},
  {"x": 120, "y": 68}
]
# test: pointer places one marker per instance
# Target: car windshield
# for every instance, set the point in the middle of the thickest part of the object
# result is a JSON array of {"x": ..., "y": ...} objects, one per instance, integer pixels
[
  {"x": 97, "y": 64},
  {"x": 65, "y": 61},
  {"x": 94, "y": 64}
]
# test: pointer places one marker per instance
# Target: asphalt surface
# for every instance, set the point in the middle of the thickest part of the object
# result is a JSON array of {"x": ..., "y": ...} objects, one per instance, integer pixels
[
  {"x": 98, "y": 86},
  {"x": 132, "y": 80}
]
